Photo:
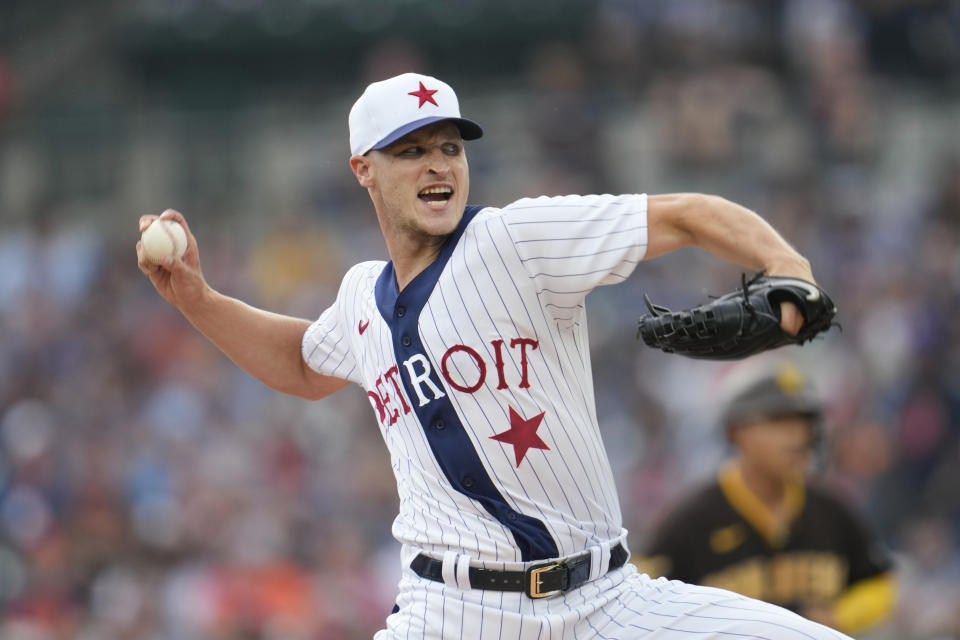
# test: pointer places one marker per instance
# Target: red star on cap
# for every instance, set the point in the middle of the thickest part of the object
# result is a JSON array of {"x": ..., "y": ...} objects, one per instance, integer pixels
[
  {"x": 522, "y": 434},
  {"x": 425, "y": 95}
]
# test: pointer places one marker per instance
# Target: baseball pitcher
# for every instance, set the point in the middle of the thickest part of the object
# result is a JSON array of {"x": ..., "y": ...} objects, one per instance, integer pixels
[{"x": 472, "y": 346}]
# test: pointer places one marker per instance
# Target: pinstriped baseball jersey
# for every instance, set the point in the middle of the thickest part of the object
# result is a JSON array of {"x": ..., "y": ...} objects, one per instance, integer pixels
[{"x": 479, "y": 375}]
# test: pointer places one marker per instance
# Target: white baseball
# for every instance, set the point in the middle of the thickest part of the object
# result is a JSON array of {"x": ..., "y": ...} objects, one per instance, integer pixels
[{"x": 164, "y": 238}]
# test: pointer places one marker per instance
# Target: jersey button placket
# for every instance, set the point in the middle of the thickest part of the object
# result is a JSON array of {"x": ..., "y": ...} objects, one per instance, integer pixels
[{"x": 405, "y": 341}]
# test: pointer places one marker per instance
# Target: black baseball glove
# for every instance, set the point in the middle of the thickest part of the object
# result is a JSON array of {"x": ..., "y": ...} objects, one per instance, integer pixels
[{"x": 741, "y": 323}]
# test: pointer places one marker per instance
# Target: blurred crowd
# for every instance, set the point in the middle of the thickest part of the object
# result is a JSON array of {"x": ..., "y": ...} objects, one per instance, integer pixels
[{"x": 149, "y": 490}]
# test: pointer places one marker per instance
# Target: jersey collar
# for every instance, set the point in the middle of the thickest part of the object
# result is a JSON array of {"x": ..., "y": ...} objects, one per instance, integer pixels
[
  {"x": 415, "y": 294},
  {"x": 773, "y": 527}
]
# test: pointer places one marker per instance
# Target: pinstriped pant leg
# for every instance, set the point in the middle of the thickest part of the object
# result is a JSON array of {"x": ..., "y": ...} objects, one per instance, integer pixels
[
  {"x": 623, "y": 605},
  {"x": 670, "y": 610}
]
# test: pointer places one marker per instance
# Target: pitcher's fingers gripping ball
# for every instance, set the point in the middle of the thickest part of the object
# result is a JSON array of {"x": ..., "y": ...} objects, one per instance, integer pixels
[
  {"x": 741, "y": 323},
  {"x": 164, "y": 238}
]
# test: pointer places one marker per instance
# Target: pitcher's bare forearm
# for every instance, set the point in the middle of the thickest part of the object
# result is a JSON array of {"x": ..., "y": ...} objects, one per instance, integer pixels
[
  {"x": 264, "y": 344},
  {"x": 729, "y": 231},
  {"x": 724, "y": 228}
]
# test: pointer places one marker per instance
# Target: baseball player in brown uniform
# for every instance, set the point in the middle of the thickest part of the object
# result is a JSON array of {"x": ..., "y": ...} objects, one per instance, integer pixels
[{"x": 760, "y": 528}]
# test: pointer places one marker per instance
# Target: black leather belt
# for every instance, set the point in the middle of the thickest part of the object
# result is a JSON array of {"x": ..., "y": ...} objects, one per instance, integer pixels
[{"x": 538, "y": 581}]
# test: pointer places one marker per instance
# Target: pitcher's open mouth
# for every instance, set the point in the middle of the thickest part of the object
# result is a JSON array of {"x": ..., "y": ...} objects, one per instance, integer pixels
[{"x": 436, "y": 197}]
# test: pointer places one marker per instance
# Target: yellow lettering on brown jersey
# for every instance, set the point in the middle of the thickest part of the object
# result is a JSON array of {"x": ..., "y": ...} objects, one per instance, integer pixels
[{"x": 785, "y": 577}]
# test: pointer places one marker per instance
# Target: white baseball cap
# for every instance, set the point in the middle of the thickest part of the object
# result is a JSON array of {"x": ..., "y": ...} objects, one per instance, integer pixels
[{"x": 392, "y": 108}]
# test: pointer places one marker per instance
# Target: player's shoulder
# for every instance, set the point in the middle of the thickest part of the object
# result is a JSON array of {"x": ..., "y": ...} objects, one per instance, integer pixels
[
  {"x": 829, "y": 498},
  {"x": 363, "y": 274},
  {"x": 568, "y": 200},
  {"x": 365, "y": 269},
  {"x": 574, "y": 208},
  {"x": 697, "y": 503},
  {"x": 704, "y": 493}
]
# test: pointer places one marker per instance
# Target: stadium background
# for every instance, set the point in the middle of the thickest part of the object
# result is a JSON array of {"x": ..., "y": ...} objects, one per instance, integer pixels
[{"x": 151, "y": 491}]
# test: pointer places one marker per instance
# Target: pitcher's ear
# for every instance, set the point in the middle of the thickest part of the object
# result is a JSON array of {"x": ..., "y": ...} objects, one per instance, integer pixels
[{"x": 360, "y": 165}]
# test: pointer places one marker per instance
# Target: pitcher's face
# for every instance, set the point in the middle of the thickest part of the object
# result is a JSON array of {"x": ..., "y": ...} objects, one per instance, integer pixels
[{"x": 419, "y": 184}]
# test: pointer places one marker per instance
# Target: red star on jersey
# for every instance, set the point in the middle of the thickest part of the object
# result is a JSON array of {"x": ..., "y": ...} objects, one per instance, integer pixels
[
  {"x": 425, "y": 95},
  {"x": 522, "y": 434}
]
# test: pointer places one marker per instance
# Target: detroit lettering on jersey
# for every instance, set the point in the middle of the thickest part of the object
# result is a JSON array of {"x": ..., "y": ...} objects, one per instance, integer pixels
[
  {"x": 418, "y": 372},
  {"x": 479, "y": 375}
]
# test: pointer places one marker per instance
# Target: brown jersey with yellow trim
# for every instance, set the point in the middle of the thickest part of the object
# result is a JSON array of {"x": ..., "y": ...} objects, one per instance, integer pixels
[{"x": 723, "y": 536}]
